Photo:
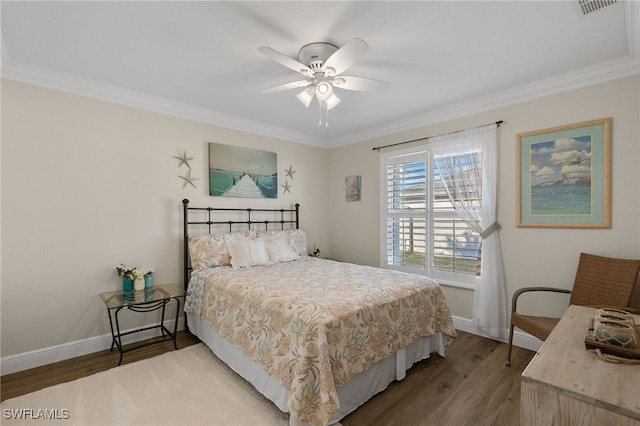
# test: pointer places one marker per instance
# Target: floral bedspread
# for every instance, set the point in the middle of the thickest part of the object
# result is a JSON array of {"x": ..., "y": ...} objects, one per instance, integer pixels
[{"x": 314, "y": 323}]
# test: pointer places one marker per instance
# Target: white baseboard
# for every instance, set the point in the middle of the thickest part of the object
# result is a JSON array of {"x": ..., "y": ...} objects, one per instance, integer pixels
[
  {"x": 520, "y": 339},
  {"x": 39, "y": 357}
]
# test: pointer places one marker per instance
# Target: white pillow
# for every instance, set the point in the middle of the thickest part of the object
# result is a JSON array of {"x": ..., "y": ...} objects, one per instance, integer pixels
[
  {"x": 245, "y": 253},
  {"x": 279, "y": 250}
]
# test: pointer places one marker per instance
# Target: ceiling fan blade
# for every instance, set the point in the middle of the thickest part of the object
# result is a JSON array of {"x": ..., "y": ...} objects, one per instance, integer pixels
[
  {"x": 346, "y": 56},
  {"x": 286, "y": 61},
  {"x": 360, "y": 83},
  {"x": 287, "y": 86}
]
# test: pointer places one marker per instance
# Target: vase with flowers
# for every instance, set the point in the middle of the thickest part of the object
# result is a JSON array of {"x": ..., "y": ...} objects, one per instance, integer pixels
[
  {"x": 148, "y": 278},
  {"x": 135, "y": 278},
  {"x": 138, "y": 279},
  {"x": 126, "y": 272}
]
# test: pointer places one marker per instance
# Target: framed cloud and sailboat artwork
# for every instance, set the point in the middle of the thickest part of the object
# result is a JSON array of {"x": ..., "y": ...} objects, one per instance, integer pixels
[
  {"x": 564, "y": 176},
  {"x": 242, "y": 172}
]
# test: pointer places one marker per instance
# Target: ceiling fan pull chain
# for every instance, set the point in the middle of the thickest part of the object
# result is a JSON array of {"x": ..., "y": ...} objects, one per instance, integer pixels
[{"x": 322, "y": 105}]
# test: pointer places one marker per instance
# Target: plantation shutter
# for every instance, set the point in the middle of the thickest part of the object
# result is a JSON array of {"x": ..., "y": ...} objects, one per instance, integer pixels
[{"x": 406, "y": 206}]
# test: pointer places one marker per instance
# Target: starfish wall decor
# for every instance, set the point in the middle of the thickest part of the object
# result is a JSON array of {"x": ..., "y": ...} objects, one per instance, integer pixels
[
  {"x": 184, "y": 159},
  {"x": 188, "y": 179},
  {"x": 289, "y": 173}
]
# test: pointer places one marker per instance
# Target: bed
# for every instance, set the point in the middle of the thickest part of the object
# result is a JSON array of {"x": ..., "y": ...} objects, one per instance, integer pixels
[{"x": 315, "y": 336}]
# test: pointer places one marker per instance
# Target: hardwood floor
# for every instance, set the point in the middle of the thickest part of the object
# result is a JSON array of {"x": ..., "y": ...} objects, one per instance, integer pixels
[
  {"x": 23, "y": 382},
  {"x": 471, "y": 386}
]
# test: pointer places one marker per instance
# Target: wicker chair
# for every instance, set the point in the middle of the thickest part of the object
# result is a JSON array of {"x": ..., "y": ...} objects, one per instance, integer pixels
[{"x": 600, "y": 282}]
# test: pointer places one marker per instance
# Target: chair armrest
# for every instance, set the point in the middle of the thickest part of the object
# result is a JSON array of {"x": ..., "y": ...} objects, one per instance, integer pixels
[{"x": 518, "y": 292}]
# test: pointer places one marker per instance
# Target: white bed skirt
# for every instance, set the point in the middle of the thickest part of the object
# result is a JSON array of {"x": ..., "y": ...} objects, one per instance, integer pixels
[{"x": 358, "y": 390}]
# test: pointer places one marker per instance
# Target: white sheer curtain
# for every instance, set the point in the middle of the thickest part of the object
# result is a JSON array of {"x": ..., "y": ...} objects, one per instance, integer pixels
[{"x": 467, "y": 162}]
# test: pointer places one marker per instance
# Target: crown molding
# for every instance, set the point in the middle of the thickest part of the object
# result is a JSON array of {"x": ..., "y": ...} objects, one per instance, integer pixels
[
  {"x": 3, "y": 51},
  {"x": 109, "y": 93},
  {"x": 561, "y": 83},
  {"x": 557, "y": 84}
]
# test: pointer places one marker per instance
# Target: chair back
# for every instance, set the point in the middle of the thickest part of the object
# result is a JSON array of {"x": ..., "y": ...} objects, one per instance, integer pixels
[{"x": 604, "y": 281}]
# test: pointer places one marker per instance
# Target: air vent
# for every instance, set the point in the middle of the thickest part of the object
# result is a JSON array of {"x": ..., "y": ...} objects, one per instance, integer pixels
[{"x": 587, "y": 7}]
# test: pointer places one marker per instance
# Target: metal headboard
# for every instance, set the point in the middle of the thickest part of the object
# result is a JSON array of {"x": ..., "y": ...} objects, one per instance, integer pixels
[{"x": 286, "y": 216}]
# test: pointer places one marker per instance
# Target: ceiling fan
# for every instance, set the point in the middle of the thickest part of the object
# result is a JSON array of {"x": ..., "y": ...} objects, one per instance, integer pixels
[{"x": 323, "y": 64}]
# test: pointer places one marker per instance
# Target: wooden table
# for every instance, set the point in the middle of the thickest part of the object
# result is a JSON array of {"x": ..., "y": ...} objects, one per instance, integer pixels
[{"x": 567, "y": 385}]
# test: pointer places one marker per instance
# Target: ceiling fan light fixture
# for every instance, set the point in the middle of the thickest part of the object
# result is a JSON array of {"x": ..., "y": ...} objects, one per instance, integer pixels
[
  {"x": 324, "y": 90},
  {"x": 332, "y": 101},
  {"x": 307, "y": 95}
]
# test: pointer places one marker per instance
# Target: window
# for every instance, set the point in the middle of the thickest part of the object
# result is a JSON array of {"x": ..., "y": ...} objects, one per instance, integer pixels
[
  {"x": 457, "y": 248},
  {"x": 422, "y": 232},
  {"x": 406, "y": 205}
]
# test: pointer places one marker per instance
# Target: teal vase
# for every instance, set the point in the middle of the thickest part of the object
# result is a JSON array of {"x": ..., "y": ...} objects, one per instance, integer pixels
[
  {"x": 127, "y": 284},
  {"x": 148, "y": 281}
]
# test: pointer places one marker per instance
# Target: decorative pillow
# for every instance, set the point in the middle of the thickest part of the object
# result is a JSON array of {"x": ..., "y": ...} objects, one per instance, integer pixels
[
  {"x": 295, "y": 238},
  {"x": 279, "y": 250},
  {"x": 245, "y": 253},
  {"x": 209, "y": 251}
]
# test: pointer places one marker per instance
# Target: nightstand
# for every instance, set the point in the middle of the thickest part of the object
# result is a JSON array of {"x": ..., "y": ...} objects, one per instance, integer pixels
[{"x": 157, "y": 297}]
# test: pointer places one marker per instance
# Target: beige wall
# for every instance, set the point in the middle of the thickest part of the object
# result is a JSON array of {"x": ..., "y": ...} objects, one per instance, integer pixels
[
  {"x": 531, "y": 256},
  {"x": 88, "y": 184}
]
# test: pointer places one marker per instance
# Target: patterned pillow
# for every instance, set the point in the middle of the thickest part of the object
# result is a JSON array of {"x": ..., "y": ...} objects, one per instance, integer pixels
[
  {"x": 278, "y": 249},
  {"x": 209, "y": 251},
  {"x": 296, "y": 239}
]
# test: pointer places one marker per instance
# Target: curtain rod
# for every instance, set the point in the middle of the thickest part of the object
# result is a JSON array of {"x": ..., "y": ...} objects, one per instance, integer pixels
[{"x": 378, "y": 148}]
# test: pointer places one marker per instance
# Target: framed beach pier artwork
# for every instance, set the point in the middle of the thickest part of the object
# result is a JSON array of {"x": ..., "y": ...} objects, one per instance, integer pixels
[
  {"x": 564, "y": 176},
  {"x": 242, "y": 172}
]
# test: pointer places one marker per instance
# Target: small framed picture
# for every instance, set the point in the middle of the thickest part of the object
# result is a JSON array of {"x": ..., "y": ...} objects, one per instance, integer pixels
[
  {"x": 564, "y": 176},
  {"x": 353, "y": 188}
]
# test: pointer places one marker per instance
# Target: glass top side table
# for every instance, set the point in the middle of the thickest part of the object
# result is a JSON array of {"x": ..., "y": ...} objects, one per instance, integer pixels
[{"x": 157, "y": 297}]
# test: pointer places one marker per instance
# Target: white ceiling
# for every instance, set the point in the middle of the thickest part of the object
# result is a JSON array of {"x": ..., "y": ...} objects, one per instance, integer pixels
[{"x": 200, "y": 60}]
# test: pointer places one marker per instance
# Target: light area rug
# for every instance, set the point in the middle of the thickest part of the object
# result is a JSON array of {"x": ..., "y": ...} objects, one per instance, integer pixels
[{"x": 190, "y": 386}]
